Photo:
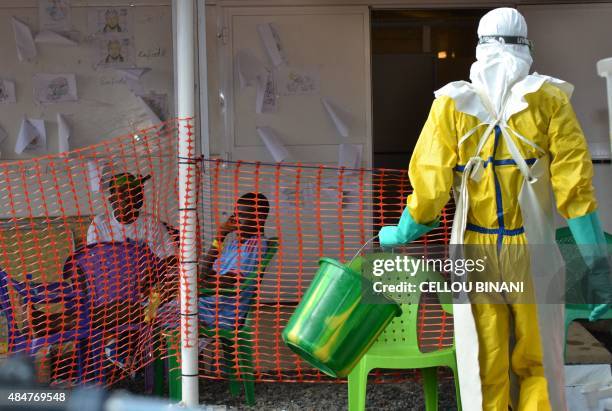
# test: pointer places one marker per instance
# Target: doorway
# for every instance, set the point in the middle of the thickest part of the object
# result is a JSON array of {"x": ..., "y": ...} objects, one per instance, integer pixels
[{"x": 414, "y": 53}]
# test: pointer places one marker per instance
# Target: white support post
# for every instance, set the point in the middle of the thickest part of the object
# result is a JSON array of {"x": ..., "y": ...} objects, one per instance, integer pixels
[
  {"x": 604, "y": 69},
  {"x": 187, "y": 166}
]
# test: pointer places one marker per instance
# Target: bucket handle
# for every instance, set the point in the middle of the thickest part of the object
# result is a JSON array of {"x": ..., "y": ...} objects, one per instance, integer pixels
[{"x": 361, "y": 249}]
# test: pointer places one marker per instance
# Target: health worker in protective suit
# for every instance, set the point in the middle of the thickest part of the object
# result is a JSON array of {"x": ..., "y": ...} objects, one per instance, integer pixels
[{"x": 502, "y": 141}]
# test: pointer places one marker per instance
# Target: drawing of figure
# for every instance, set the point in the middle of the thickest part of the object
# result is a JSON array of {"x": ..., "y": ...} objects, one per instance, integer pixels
[
  {"x": 300, "y": 83},
  {"x": 58, "y": 88},
  {"x": 112, "y": 22},
  {"x": 114, "y": 55},
  {"x": 57, "y": 10}
]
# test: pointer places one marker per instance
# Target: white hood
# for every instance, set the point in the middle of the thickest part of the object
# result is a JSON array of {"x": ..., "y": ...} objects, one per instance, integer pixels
[{"x": 498, "y": 65}]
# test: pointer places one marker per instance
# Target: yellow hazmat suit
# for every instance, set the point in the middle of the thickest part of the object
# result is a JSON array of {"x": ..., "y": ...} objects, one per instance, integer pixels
[
  {"x": 494, "y": 215},
  {"x": 535, "y": 113}
]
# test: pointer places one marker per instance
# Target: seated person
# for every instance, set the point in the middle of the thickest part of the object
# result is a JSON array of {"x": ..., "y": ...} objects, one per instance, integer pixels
[
  {"x": 228, "y": 266},
  {"x": 128, "y": 222}
]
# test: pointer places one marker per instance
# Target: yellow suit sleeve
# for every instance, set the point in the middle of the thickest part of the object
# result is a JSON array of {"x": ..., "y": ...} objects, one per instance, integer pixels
[
  {"x": 571, "y": 169},
  {"x": 432, "y": 163}
]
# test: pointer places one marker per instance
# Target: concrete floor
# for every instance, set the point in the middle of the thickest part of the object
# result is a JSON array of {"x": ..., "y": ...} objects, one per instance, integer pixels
[{"x": 583, "y": 348}]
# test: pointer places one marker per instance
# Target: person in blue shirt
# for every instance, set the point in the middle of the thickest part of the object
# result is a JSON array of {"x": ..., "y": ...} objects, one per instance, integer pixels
[
  {"x": 231, "y": 262},
  {"x": 228, "y": 265}
]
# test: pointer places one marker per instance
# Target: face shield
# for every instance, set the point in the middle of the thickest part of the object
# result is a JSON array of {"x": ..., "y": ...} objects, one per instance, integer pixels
[{"x": 503, "y": 55}]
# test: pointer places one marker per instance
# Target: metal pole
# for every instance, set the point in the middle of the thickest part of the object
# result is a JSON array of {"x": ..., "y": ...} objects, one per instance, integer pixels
[
  {"x": 187, "y": 163},
  {"x": 604, "y": 69}
]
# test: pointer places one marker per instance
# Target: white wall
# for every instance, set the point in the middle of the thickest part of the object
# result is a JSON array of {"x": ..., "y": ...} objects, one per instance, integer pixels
[
  {"x": 106, "y": 107},
  {"x": 569, "y": 40}
]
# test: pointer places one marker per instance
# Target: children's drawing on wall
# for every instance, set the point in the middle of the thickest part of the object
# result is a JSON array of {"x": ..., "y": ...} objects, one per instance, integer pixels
[
  {"x": 54, "y": 88},
  {"x": 7, "y": 92},
  {"x": 297, "y": 80},
  {"x": 158, "y": 103},
  {"x": 115, "y": 52},
  {"x": 54, "y": 15},
  {"x": 110, "y": 20}
]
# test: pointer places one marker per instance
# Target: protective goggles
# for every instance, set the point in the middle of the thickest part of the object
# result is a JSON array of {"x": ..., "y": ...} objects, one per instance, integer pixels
[{"x": 518, "y": 40}]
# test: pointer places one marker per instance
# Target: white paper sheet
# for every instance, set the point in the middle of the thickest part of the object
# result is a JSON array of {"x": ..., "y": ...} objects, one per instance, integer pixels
[
  {"x": 265, "y": 99},
  {"x": 26, "y": 49},
  {"x": 297, "y": 80},
  {"x": 158, "y": 103},
  {"x": 63, "y": 132},
  {"x": 150, "y": 117},
  {"x": 97, "y": 172},
  {"x": 132, "y": 78},
  {"x": 7, "y": 92},
  {"x": 268, "y": 33},
  {"x": 250, "y": 69},
  {"x": 32, "y": 137},
  {"x": 109, "y": 21},
  {"x": 134, "y": 73},
  {"x": 306, "y": 195},
  {"x": 273, "y": 143},
  {"x": 115, "y": 51},
  {"x": 349, "y": 155},
  {"x": 54, "y": 88},
  {"x": 338, "y": 117},
  {"x": 54, "y": 15},
  {"x": 51, "y": 37},
  {"x": 135, "y": 86}
]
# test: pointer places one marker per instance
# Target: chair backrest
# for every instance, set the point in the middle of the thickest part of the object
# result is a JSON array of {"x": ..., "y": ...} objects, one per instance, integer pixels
[
  {"x": 271, "y": 249},
  {"x": 403, "y": 330},
  {"x": 113, "y": 272}
]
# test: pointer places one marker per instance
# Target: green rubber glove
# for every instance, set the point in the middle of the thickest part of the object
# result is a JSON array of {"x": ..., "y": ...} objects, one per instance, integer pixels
[
  {"x": 406, "y": 231},
  {"x": 591, "y": 241}
]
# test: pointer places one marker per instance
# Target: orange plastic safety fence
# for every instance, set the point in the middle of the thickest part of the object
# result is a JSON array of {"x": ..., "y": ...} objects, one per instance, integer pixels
[
  {"x": 308, "y": 212},
  {"x": 87, "y": 247},
  {"x": 89, "y": 277}
]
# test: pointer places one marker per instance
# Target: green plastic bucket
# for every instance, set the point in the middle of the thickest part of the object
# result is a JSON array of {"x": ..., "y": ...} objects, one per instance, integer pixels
[{"x": 331, "y": 328}]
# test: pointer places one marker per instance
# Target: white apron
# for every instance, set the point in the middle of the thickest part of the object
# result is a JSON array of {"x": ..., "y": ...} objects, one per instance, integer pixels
[{"x": 535, "y": 200}]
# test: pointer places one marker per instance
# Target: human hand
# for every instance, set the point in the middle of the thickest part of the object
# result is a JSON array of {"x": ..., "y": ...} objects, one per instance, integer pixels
[{"x": 228, "y": 226}]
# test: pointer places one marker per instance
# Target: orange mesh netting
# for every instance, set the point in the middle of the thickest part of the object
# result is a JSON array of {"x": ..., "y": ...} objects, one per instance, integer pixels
[
  {"x": 84, "y": 242},
  {"x": 307, "y": 212},
  {"x": 89, "y": 251}
]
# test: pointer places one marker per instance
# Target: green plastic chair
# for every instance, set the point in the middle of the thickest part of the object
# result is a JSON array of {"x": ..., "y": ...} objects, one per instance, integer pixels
[
  {"x": 236, "y": 344},
  {"x": 575, "y": 264},
  {"x": 398, "y": 348}
]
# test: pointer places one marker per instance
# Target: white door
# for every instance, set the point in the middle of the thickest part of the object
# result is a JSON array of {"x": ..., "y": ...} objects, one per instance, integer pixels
[
  {"x": 328, "y": 44},
  {"x": 314, "y": 212}
]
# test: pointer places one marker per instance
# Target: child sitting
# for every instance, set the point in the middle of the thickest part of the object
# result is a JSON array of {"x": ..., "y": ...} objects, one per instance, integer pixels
[{"x": 227, "y": 265}]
